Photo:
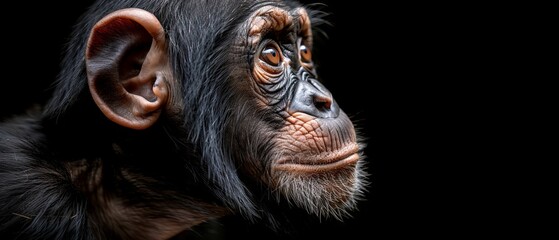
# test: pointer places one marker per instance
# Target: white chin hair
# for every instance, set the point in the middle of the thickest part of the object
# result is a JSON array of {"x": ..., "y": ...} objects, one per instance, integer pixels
[{"x": 325, "y": 195}]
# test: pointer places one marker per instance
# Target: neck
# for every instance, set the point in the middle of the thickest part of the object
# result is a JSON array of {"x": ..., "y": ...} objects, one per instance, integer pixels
[{"x": 128, "y": 204}]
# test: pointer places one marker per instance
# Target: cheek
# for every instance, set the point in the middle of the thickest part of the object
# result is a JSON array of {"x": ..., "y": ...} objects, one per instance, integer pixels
[{"x": 252, "y": 145}]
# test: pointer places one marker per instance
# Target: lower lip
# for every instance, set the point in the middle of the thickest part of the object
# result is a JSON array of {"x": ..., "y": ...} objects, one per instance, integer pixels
[{"x": 309, "y": 168}]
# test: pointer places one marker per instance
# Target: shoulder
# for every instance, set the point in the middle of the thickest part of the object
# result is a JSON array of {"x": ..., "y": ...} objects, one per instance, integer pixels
[{"x": 36, "y": 194}]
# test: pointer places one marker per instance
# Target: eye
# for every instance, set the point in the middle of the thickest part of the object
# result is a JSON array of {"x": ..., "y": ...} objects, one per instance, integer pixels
[
  {"x": 305, "y": 54},
  {"x": 271, "y": 55}
]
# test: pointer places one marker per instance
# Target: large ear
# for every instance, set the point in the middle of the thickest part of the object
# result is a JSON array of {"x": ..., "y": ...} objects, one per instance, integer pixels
[{"x": 127, "y": 67}]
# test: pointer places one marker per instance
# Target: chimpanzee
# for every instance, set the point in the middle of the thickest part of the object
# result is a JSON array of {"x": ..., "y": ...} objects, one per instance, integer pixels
[{"x": 169, "y": 114}]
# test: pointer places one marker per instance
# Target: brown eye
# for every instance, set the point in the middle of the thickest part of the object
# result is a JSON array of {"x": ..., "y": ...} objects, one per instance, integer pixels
[
  {"x": 270, "y": 55},
  {"x": 305, "y": 54}
]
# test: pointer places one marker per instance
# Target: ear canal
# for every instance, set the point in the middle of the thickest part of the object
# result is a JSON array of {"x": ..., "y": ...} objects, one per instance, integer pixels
[{"x": 127, "y": 68}]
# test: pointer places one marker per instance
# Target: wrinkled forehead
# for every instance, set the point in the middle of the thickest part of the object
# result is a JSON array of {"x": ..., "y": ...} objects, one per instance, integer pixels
[{"x": 269, "y": 19}]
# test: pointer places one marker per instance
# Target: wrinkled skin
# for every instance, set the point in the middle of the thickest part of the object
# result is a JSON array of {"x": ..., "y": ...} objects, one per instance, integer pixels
[{"x": 315, "y": 159}]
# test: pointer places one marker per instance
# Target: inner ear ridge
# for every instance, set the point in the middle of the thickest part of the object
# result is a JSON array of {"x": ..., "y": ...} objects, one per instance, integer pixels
[
  {"x": 134, "y": 55},
  {"x": 125, "y": 42},
  {"x": 108, "y": 36}
]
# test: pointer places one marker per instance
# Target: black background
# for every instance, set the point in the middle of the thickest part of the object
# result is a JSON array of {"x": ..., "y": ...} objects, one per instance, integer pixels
[{"x": 404, "y": 72}]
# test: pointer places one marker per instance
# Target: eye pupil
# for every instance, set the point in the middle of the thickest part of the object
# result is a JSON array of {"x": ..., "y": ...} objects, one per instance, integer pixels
[{"x": 270, "y": 55}]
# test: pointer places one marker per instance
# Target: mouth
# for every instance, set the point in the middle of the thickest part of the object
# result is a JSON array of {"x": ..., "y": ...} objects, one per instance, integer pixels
[{"x": 331, "y": 161}]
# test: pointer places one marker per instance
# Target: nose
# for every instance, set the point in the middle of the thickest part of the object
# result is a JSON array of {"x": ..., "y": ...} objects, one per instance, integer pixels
[{"x": 311, "y": 97}]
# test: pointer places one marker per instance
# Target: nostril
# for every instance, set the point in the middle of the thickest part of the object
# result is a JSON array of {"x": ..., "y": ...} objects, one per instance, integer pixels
[{"x": 322, "y": 103}]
